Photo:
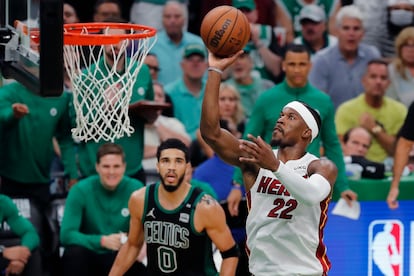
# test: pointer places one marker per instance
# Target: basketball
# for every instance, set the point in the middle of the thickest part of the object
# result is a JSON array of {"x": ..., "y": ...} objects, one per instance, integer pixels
[{"x": 225, "y": 30}]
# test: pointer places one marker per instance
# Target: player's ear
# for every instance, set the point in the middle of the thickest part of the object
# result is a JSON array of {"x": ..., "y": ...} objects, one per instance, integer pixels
[
  {"x": 307, "y": 133},
  {"x": 188, "y": 171}
]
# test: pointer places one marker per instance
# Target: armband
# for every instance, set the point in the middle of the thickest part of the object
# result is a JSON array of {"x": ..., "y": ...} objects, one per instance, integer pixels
[
  {"x": 236, "y": 187},
  {"x": 308, "y": 191},
  {"x": 123, "y": 239},
  {"x": 215, "y": 69},
  {"x": 232, "y": 252}
]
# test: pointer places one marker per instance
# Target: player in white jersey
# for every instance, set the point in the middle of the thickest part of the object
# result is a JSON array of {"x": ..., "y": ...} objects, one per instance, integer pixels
[{"x": 288, "y": 189}]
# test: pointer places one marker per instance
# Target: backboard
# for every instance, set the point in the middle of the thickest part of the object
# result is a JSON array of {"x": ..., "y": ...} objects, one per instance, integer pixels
[{"x": 31, "y": 44}]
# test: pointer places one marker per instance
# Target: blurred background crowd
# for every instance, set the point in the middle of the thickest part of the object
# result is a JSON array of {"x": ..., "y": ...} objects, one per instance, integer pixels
[{"x": 351, "y": 60}]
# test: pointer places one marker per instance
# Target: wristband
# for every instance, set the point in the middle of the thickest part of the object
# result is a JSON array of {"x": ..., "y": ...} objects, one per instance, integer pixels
[
  {"x": 236, "y": 187},
  {"x": 123, "y": 239},
  {"x": 232, "y": 252},
  {"x": 215, "y": 69}
]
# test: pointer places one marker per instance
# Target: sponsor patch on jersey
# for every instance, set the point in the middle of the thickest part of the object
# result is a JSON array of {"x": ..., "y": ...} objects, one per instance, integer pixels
[{"x": 184, "y": 217}]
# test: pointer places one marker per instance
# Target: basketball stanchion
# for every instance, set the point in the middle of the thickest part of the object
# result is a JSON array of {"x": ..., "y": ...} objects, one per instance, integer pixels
[{"x": 102, "y": 61}]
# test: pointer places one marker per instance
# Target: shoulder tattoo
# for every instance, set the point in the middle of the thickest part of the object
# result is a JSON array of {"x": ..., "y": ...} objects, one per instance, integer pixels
[{"x": 208, "y": 199}]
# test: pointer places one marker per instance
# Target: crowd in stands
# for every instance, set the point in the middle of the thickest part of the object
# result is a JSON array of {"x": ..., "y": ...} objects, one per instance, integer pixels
[{"x": 353, "y": 61}]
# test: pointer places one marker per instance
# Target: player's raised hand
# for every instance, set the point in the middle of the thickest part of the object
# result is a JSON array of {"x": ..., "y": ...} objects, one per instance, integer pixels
[
  {"x": 259, "y": 152},
  {"x": 222, "y": 63}
]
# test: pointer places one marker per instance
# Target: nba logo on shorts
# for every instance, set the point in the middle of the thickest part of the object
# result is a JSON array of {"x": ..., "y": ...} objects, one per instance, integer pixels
[{"x": 385, "y": 248}]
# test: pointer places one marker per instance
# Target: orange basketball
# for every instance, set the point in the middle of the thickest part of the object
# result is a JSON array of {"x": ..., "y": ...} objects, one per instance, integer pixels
[{"x": 225, "y": 30}]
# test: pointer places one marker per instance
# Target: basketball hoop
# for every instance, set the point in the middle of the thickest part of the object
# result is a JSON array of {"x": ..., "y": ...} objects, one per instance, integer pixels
[{"x": 112, "y": 55}]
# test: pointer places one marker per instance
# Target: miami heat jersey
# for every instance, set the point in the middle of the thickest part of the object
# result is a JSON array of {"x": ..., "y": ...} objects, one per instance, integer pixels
[
  {"x": 174, "y": 247},
  {"x": 284, "y": 236}
]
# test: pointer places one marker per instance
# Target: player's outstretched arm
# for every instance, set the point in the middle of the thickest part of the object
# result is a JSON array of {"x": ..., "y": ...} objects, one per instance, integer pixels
[
  {"x": 220, "y": 140},
  {"x": 210, "y": 216},
  {"x": 128, "y": 253}
]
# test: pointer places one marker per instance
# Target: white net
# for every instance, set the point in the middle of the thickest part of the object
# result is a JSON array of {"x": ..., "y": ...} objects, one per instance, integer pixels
[{"x": 102, "y": 78}]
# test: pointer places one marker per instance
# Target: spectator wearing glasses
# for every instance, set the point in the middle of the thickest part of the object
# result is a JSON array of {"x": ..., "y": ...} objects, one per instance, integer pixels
[{"x": 151, "y": 60}]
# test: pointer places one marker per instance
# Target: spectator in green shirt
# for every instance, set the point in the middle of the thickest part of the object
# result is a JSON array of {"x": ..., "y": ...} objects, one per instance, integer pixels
[
  {"x": 23, "y": 258},
  {"x": 96, "y": 218}
]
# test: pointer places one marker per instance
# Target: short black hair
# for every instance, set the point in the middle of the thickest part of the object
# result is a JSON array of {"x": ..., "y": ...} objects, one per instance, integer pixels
[
  {"x": 296, "y": 48},
  {"x": 98, "y": 3},
  {"x": 173, "y": 143},
  {"x": 378, "y": 61}
]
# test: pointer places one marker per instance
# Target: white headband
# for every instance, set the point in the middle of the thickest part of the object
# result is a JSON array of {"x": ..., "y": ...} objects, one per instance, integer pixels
[{"x": 306, "y": 116}]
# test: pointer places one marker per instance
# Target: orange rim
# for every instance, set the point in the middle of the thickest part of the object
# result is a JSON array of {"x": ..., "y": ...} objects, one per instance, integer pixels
[{"x": 91, "y": 33}]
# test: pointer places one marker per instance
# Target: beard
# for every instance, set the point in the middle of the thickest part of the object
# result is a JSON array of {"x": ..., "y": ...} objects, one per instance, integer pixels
[
  {"x": 279, "y": 143},
  {"x": 170, "y": 188},
  {"x": 275, "y": 142}
]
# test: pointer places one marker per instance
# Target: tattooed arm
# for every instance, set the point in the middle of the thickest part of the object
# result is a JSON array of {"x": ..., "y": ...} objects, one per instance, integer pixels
[{"x": 209, "y": 216}]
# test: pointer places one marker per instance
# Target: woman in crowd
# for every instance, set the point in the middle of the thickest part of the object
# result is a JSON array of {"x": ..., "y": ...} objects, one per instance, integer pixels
[
  {"x": 232, "y": 118},
  {"x": 401, "y": 69}
]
